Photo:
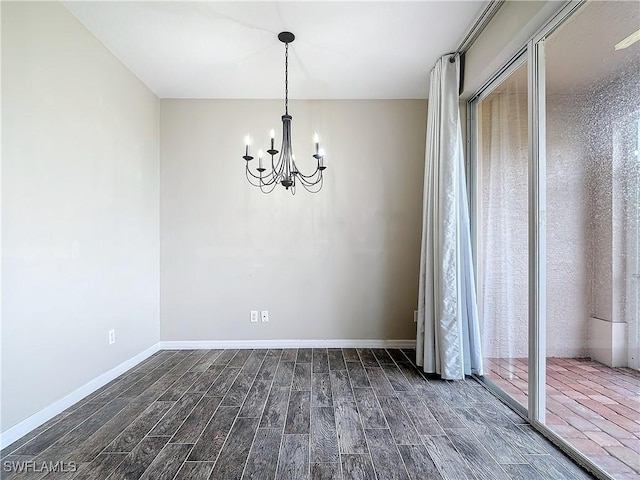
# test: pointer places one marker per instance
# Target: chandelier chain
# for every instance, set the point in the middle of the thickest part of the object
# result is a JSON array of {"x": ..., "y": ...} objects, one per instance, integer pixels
[{"x": 286, "y": 79}]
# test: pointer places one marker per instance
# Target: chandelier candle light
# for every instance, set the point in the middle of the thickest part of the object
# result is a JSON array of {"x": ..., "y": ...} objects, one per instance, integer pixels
[{"x": 285, "y": 170}]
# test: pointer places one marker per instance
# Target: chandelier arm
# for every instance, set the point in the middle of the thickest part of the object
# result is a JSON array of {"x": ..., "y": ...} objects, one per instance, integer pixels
[
  {"x": 270, "y": 177},
  {"x": 310, "y": 183},
  {"x": 266, "y": 192},
  {"x": 248, "y": 172},
  {"x": 260, "y": 178},
  {"x": 279, "y": 165},
  {"x": 309, "y": 176},
  {"x": 268, "y": 180},
  {"x": 320, "y": 184},
  {"x": 263, "y": 180},
  {"x": 314, "y": 180},
  {"x": 276, "y": 178},
  {"x": 295, "y": 167},
  {"x": 311, "y": 190}
]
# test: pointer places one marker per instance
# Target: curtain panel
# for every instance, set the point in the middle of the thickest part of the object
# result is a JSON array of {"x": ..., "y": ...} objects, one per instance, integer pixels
[{"x": 448, "y": 336}]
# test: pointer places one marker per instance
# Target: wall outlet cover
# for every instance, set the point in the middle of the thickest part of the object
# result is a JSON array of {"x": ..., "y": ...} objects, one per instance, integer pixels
[
  {"x": 265, "y": 316},
  {"x": 254, "y": 316},
  {"x": 112, "y": 337}
]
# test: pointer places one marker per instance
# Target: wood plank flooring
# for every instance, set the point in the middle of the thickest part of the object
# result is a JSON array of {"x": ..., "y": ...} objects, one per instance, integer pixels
[{"x": 295, "y": 414}]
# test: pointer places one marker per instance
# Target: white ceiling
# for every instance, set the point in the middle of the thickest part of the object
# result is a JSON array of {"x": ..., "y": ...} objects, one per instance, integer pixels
[{"x": 228, "y": 49}]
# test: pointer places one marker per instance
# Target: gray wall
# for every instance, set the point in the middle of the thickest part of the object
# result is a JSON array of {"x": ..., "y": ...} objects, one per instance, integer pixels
[
  {"x": 79, "y": 209},
  {"x": 342, "y": 264}
]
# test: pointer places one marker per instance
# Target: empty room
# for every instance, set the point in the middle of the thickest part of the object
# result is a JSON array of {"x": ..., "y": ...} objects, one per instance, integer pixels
[{"x": 367, "y": 240}]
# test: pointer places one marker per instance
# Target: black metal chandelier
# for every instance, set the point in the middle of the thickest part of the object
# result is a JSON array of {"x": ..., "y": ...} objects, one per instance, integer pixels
[{"x": 285, "y": 170}]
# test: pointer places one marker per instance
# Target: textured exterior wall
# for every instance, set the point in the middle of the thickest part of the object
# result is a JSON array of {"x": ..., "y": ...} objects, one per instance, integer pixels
[
  {"x": 569, "y": 265},
  {"x": 504, "y": 239}
]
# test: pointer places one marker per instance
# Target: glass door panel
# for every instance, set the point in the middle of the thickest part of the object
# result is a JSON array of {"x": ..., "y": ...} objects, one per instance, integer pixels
[
  {"x": 634, "y": 290},
  {"x": 592, "y": 84},
  {"x": 501, "y": 205},
  {"x": 629, "y": 142}
]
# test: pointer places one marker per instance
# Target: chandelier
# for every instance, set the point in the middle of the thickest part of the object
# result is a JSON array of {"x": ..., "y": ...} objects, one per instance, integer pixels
[{"x": 284, "y": 171}]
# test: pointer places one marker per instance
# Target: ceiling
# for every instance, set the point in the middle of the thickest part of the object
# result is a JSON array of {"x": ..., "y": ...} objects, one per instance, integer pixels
[{"x": 362, "y": 49}]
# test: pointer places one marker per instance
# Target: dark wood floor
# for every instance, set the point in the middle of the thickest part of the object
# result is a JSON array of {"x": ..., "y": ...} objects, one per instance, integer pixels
[{"x": 286, "y": 414}]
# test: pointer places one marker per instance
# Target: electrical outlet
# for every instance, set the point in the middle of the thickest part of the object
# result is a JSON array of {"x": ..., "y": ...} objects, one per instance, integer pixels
[
  {"x": 254, "y": 316},
  {"x": 265, "y": 316},
  {"x": 415, "y": 316},
  {"x": 112, "y": 337}
]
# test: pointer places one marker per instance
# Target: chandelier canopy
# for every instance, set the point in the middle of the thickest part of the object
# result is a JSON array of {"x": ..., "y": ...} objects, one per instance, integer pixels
[{"x": 284, "y": 171}]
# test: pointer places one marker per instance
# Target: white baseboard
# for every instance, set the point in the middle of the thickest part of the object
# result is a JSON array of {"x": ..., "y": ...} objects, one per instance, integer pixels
[
  {"x": 47, "y": 413},
  {"x": 211, "y": 344}
]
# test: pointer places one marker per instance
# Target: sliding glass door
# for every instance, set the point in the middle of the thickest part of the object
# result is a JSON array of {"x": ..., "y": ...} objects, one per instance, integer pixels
[{"x": 556, "y": 175}]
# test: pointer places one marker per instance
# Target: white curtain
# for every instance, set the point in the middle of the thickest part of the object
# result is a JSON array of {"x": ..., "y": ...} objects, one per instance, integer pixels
[{"x": 448, "y": 337}]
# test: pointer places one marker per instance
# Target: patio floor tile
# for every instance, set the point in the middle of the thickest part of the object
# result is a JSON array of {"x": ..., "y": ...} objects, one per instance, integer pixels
[{"x": 595, "y": 407}]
